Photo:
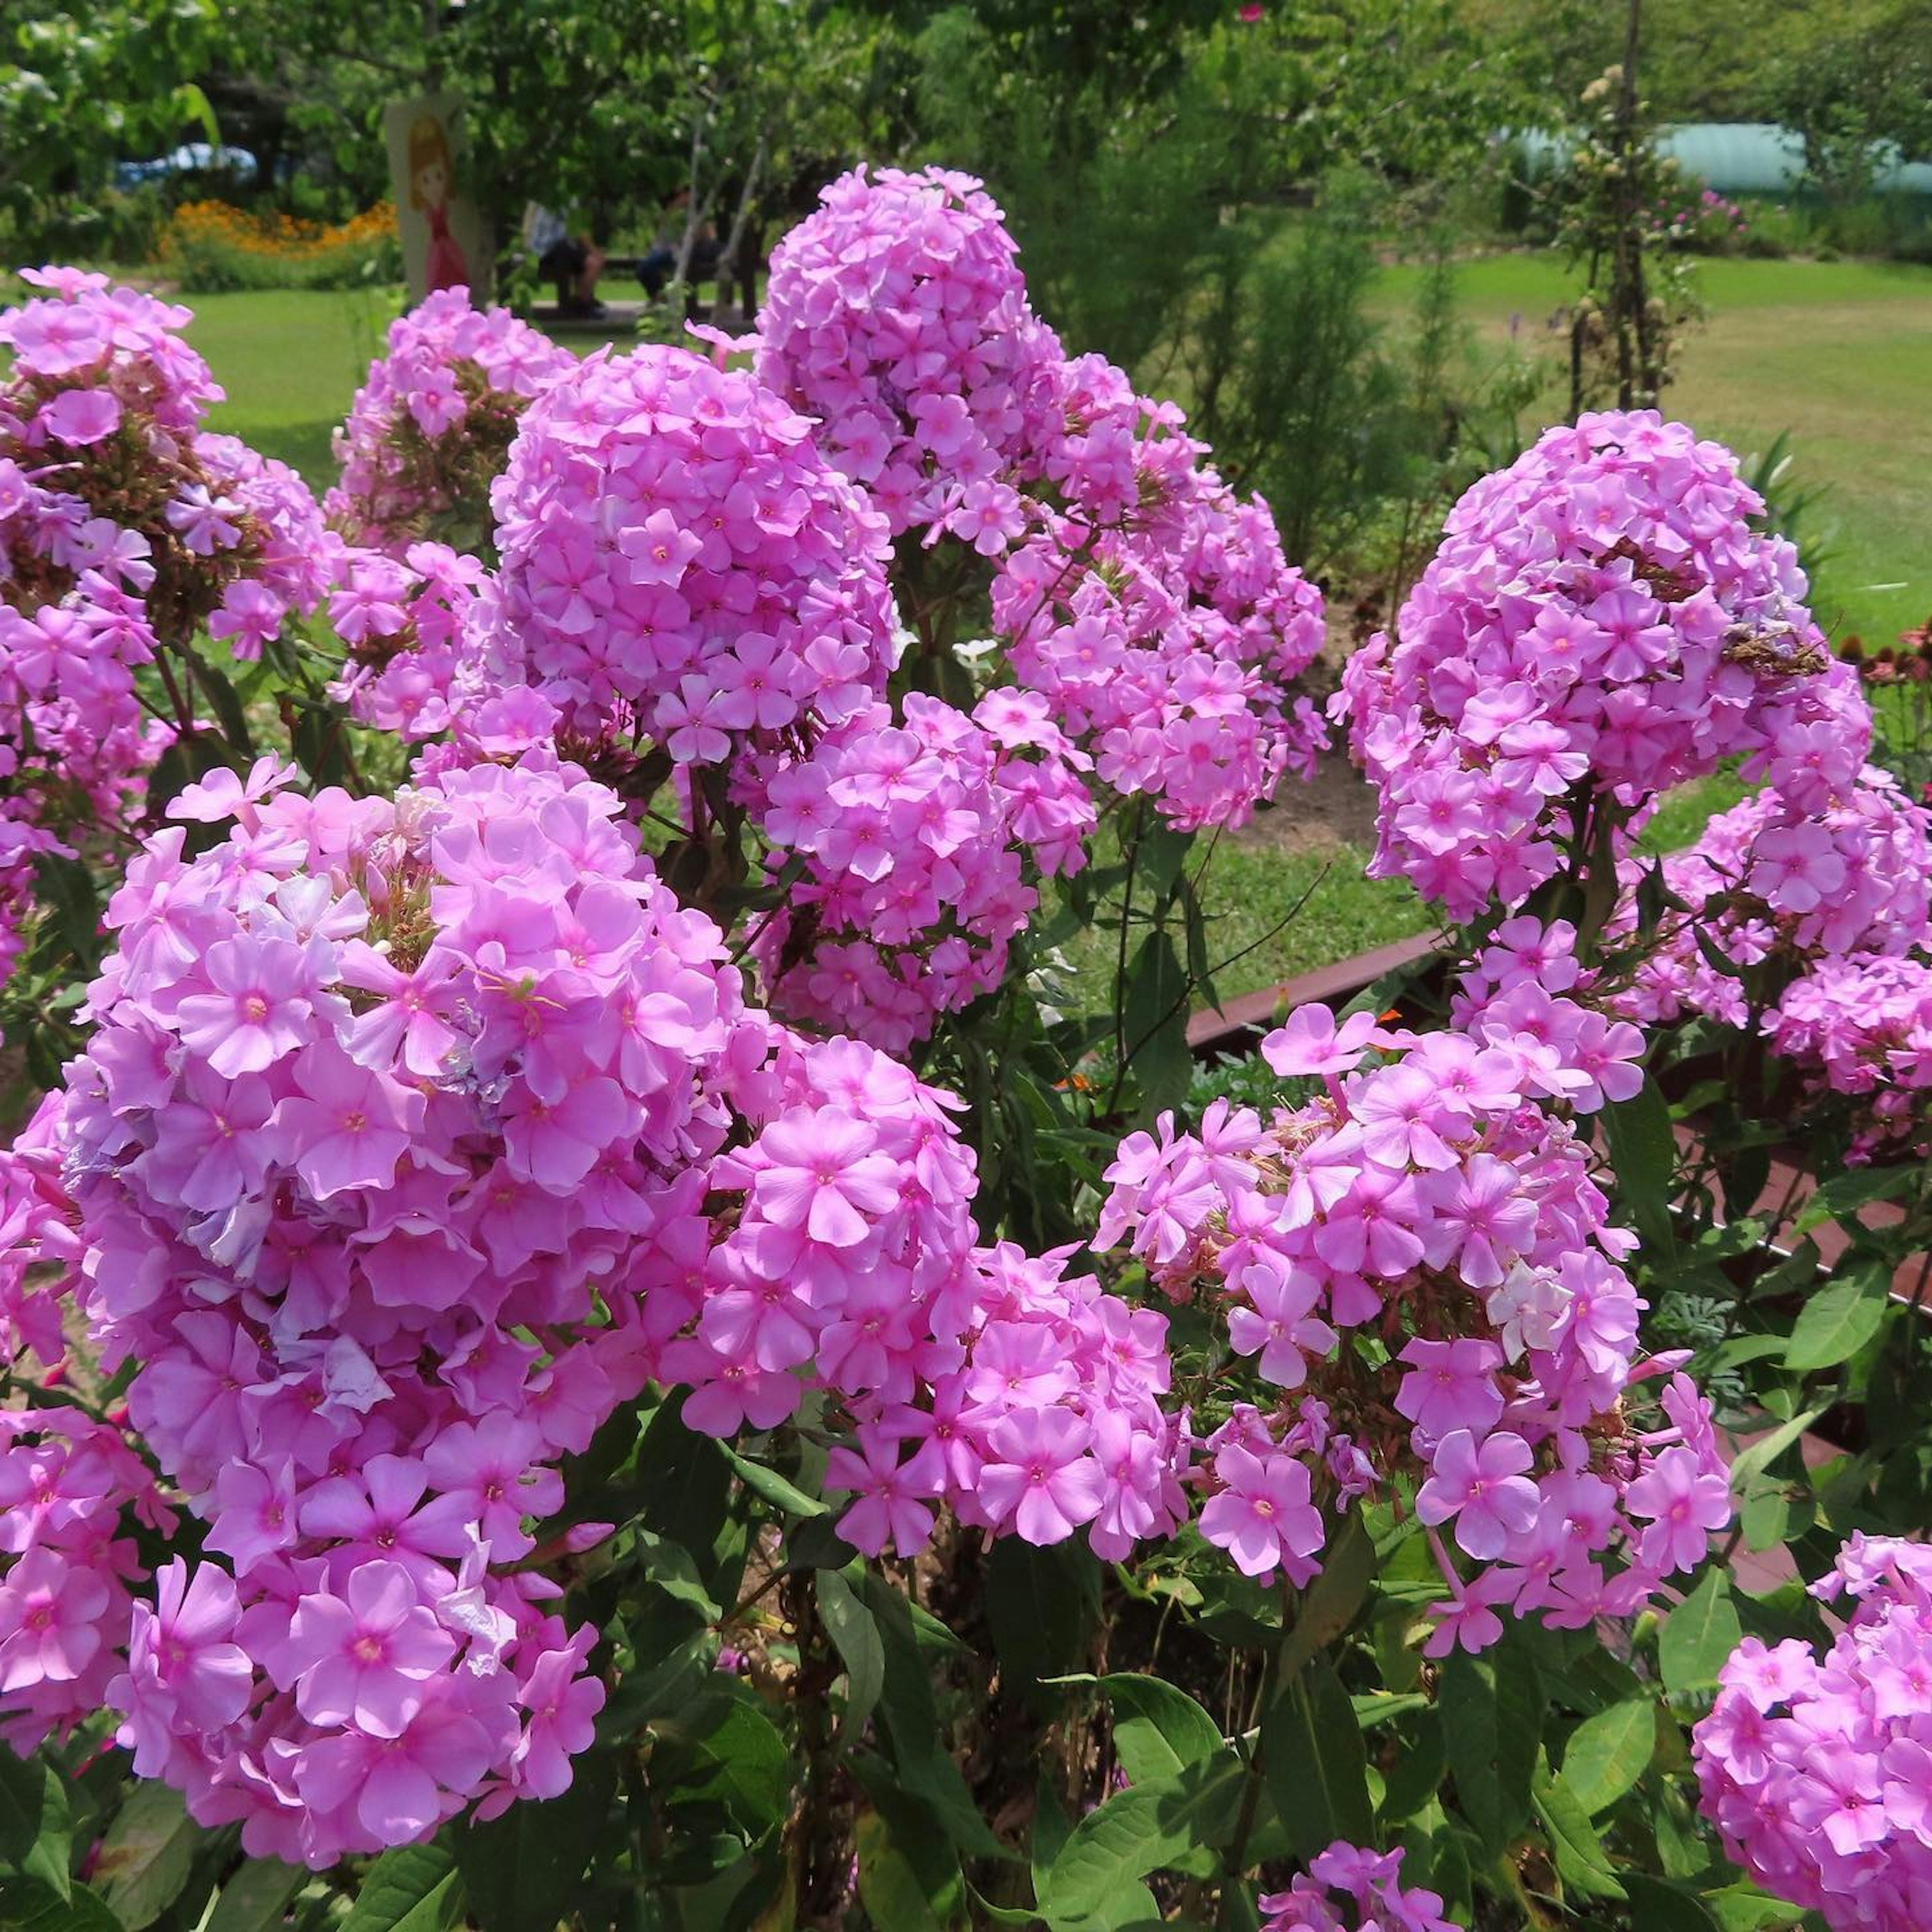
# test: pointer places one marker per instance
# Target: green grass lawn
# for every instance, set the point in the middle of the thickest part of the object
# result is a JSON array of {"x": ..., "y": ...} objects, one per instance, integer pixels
[
  {"x": 1839, "y": 354},
  {"x": 291, "y": 360}
]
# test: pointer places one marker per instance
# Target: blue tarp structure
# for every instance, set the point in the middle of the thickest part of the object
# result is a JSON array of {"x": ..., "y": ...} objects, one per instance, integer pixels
[{"x": 1742, "y": 158}]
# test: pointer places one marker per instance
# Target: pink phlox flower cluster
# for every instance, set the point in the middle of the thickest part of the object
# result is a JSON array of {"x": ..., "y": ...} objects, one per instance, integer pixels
[
  {"x": 1039, "y": 1414},
  {"x": 679, "y": 561},
  {"x": 124, "y": 529},
  {"x": 1419, "y": 1257},
  {"x": 381, "y": 1100},
  {"x": 259, "y": 535},
  {"x": 430, "y": 430},
  {"x": 402, "y": 620},
  {"x": 897, "y": 316},
  {"x": 82, "y": 337},
  {"x": 68, "y": 1484},
  {"x": 1815, "y": 1766},
  {"x": 1823, "y": 910},
  {"x": 845, "y": 1261},
  {"x": 105, "y": 471},
  {"x": 1348, "y": 1888},
  {"x": 1862, "y": 1026},
  {"x": 1516, "y": 990},
  {"x": 1773, "y": 880},
  {"x": 1600, "y": 619},
  {"x": 76, "y": 743},
  {"x": 1158, "y": 616},
  {"x": 923, "y": 840}
]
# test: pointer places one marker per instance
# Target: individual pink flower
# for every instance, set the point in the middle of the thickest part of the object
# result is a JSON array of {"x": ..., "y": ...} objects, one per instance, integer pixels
[
  {"x": 363, "y": 1658},
  {"x": 1262, "y": 1516},
  {"x": 1483, "y": 1486}
]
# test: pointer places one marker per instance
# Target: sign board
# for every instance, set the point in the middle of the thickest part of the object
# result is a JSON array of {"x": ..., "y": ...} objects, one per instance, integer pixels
[{"x": 444, "y": 242}]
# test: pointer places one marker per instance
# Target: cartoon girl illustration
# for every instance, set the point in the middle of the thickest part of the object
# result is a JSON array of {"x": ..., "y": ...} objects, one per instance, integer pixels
[{"x": 431, "y": 178}]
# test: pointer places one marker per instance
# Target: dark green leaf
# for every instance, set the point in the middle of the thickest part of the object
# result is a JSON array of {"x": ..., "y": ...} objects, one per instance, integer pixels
[
  {"x": 912, "y": 1855},
  {"x": 1155, "y": 1015},
  {"x": 1329, "y": 1604},
  {"x": 1041, "y": 1604},
  {"x": 517, "y": 1867},
  {"x": 32, "y": 1905},
  {"x": 412, "y": 1888},
  {"x": 741, "y": 1761},
  {"x": 912, "y": 1724},
  {"x": 1418, "y": 1772},
  {"x": 1698, "y": 1634},
  {"x": 1606, "y": 1754},
  {"x": 1658, "y": 1905},
  {"x": 146, "y": 1857},
  {"x": 1842, "y": 1316},
  {"x": 254, "y": 1899},
  {"x": 1492, "y": 1711},
  {"x": 670, "y": 1566},
  {"x": 223, "y": 696},
  {"x": 1766, "y": 1450},
  {"x": 1316, "y": 1763},
  {"x": 1158, "y": 1729},
  {"x": 1144, "y": 1829},
  {"x": 889, "y": 1887},
  {"x": 779, "y": 1491},
  {"x": 1581, "y": 1862},
  {"x": 1643, "y": 1154},
  {"x": 34, "y": 1832},
  {"x": 1844, "y": 1194},
  {"x": 856, "y": 1636}
]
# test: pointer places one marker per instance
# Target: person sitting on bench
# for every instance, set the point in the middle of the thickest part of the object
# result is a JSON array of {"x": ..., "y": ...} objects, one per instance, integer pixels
[
  {"x": 572, "y": 262},
  {"x": 655, "y": 269}
]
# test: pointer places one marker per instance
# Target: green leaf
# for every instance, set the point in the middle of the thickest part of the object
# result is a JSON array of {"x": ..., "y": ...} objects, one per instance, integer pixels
[
  {"x": 889, "y": 1887},
  {"x": 1698, "y": 1634},
  {"x": 1743, "y": 1908},
  {"x": 1844, "y": 1194},
  {"x": 515, "y": 1868},
  {"x": 855, "y": 1634},
  {"x": 1040, "y": 1603},
  {"x": 1659, "y": 1906},
  {"x": 1154, "y": 1012},
  {"x": 1762, "y": 1453},
  {"x": 1491, "y": 1711},
  {"x": 911, "y": 1722},
  {"x": 254, "y": 1899},
  {"x": 1052, "y": 1827},
  {"x": 146, "y": 1857},
  {"x": 1417, "y": 1774},
  {"x": 1329, "y": 1606},
  {"x": 1606, "y": 1754},
  {"x": 1578, "y": 1853},
  {"x": 1144, "y": 1829},
  {"x": 222, "y": 695},
  {"x": 773, "y": 1488},
  {"x": 34, "y": 1831},
  {"x": 1838, "y": 1320},
  {"x": 671, "y": 1567},
  {"x": 1158, "y": 1730},
  {"x": 32, "y": 1905},
  {"x": 741, "y": 1761},
  {"x": 412, "y": 1888},
  {"x": 914, "y": 1868},
  {"x": 1316, "y": 1763},
  {"x": 1643, "y": 1155}
]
